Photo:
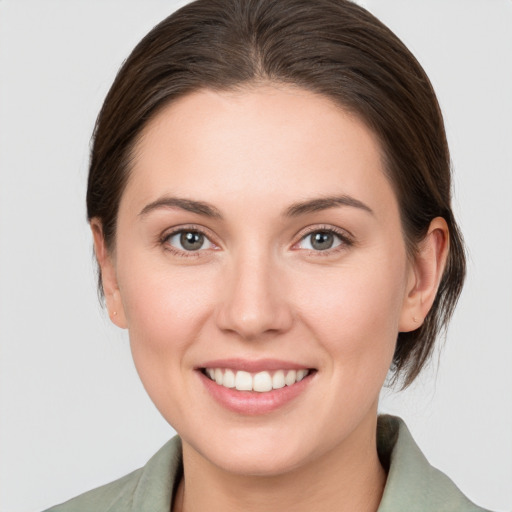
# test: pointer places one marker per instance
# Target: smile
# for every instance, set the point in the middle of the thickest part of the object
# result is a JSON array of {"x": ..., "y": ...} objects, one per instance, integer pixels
[
  {"x": 260, "y": 382},
  {"x": 256, "y": 387}
]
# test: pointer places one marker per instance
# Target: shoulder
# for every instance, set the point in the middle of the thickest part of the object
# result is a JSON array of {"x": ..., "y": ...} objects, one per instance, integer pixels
[
  {"x": 148, "y": 488},
  {"x": 113, "y": 496},
  {"x": 413, "y": 484}
]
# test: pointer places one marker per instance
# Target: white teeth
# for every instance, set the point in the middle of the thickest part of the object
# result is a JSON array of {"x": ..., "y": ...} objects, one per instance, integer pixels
[
  {"x": 260, "y": 382},
  {"x": 278, "y": 380},
  {"x": 243, "y": 381},
  {"x": 301, "y": 374},
  {"x": 291, "y": 378},
  {"x": 229, "y": 379}
]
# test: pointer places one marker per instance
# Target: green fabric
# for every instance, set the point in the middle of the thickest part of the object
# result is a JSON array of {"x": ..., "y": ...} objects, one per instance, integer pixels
[
  {"x": 148, "y": 489},
  {"x": 413, "y": 485}
]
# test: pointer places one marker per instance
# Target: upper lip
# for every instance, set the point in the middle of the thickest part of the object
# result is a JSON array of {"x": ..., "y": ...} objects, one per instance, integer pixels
[{"x": 253, "y": 365}]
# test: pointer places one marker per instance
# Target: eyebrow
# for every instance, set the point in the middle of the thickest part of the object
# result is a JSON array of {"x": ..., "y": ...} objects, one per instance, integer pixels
[
  {"x": 189, "y": 205},
  {"x": 295, "y": 210},
  {"x": 324, "y": 203}
]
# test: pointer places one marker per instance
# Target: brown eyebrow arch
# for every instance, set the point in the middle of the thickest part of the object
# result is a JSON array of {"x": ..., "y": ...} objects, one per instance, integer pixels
[
  {"x": 323, "y": 203},
  {"x": 189, "y": 205}
]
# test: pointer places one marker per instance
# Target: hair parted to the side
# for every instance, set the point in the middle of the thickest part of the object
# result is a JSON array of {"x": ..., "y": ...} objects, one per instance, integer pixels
[{"x": 331, "y": 47}]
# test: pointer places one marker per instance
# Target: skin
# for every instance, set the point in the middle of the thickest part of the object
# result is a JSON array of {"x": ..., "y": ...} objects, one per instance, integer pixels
[{"x": 256, "y": 289}]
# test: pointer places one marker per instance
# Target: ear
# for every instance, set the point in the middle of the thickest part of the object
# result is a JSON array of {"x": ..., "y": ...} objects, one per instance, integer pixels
[
  {"x": 425, "y": 275},
  {"x": 108, "y": 275}
]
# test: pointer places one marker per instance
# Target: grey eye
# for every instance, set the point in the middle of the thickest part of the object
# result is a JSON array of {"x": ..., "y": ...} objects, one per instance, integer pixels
[
  {"x": 320, "y": 241},
  {"x": 189, "y": 241}
]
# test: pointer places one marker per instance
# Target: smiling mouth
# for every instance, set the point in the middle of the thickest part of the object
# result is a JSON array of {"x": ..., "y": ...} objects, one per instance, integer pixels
[{"x": 260, "y": 382}]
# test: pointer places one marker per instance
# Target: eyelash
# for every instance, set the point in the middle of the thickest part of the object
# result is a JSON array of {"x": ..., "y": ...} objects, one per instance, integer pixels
[
  {"x": 164, "y": 241},
  {"x": 346, "y": 240}
]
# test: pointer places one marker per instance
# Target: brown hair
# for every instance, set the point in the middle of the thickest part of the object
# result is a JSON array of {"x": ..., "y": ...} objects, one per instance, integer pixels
[{"x": 332, "y": 47}]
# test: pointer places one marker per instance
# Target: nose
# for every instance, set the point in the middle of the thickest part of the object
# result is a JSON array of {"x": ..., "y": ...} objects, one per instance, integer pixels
[{"x": 254, "y": 302}]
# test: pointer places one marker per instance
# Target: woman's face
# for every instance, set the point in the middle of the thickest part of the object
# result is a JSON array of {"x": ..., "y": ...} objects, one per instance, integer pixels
[{"x": 259, "y": 240}]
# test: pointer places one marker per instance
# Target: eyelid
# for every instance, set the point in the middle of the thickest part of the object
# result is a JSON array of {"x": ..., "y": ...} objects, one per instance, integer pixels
[
  {"x": 345, "y": 236},
  {"x": 170, "y": 232}
]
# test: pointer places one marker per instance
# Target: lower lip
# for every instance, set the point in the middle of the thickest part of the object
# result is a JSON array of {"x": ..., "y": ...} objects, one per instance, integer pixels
[{"x": 252, "y": 402}]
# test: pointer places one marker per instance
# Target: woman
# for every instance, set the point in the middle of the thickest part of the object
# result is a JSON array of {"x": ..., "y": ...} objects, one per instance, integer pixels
[{"x": 269, "y": 195}]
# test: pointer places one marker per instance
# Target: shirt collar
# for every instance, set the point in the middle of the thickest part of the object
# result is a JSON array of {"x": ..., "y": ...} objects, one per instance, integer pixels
[{"x": 412, "y": 483}]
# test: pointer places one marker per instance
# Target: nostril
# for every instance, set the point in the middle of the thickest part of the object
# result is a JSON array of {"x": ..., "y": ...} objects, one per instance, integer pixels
[
  {"x": 253, "y": 300},
  {"x": 254, "y": 321}
]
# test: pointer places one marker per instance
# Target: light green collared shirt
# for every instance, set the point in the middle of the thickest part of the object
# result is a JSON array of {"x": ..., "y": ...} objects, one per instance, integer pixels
[{"x": 412, "y": 485}]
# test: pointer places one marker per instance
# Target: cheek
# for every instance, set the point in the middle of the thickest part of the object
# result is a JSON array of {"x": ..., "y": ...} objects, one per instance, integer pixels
[
  {"x": 354, "y": 312},
  {"x": 164, "y": 310}
]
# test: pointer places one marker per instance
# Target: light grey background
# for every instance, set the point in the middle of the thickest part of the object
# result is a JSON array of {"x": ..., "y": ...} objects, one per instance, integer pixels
[{"x": 73, "y": 414}]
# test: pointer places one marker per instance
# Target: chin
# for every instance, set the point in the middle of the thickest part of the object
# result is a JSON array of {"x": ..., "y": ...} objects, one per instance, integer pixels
[
  {"x": 259, "y": 464},
  {"x": 261, "y": 453}
]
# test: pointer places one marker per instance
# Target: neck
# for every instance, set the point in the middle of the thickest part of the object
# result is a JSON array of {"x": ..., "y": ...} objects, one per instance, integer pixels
[{"x": 349, "y": 477}]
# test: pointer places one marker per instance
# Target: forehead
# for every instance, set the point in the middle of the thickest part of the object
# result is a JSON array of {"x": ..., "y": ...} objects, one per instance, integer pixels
[{"x": 272, "y": 142}]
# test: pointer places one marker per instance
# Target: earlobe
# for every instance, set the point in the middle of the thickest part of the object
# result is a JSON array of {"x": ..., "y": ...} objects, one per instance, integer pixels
[
  {"x": 108, "y": 276},
  {"x": 425, "y": 275}
]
